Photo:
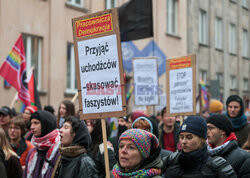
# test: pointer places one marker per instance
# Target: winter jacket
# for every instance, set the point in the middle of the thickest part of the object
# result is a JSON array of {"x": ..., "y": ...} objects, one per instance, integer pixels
[
  {"x": 23, "y": 149},
  {"x": 238, "y": 158},
  {"x": 81, "y": 166},
  {"x": 176, "y": 135},
  {"x": 13, "y": 167},
  {"x": 2, "y": 166},
  {"x": 181, "y": 165},
  {"x": 74, "y": 161},
  {"x": 99, "y": 159}
]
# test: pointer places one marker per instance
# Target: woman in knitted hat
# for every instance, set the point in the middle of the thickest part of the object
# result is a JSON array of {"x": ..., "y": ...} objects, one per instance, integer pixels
[
  {"x": 139, "y": 155},
  {"x": 193, "y": 160}
]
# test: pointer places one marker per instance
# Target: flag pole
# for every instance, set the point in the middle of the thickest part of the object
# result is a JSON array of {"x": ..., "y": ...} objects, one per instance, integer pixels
[
  {"x": 74, "y": 98},
  {"x": 13, "y": 100}
]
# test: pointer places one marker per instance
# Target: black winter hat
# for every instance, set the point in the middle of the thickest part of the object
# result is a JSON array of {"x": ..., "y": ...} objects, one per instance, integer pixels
[
  {"x": 222, "y": 122},
  {"x": 237, "y": 99},
  {"x": 48, "y": 121},
  {"x": 196, "y": 125}
]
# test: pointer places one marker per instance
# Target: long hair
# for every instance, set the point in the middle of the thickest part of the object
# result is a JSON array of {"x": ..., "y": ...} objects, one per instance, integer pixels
[
  {"x": 70, "y": 110},
  {"x": 4, "y": 143},
  {"x": 96, "y": 136}
]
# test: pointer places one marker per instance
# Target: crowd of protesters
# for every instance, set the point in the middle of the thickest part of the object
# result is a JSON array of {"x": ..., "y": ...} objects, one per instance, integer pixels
[{"x": 40, "y": 144}]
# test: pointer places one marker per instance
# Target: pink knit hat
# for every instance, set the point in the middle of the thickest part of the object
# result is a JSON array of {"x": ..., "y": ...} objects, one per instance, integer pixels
[{"x": 31, "y": 108}]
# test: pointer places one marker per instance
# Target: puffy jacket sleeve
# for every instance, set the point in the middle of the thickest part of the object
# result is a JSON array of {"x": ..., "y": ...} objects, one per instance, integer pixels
[
  {"x": 221, "y": 168},
  {"x": 245, "y": 170}
]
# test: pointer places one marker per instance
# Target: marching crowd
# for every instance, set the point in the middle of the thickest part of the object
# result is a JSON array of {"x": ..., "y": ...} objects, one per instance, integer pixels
[{"x": 40, "y": 144}]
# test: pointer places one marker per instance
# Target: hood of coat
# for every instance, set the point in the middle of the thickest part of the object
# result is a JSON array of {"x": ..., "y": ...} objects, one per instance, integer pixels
[
  {"x": 82, "y": 136},
  {"x": 48, "y": 121}
]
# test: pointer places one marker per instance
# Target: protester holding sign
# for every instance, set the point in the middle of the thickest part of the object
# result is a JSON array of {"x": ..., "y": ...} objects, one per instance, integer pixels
[
  {"x": 96, "y": 149},
  {"x": 139, "y": 155}
]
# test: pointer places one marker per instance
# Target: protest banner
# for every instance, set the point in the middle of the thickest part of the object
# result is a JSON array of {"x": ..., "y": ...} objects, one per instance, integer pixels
[
  {"x": 146, "y": 81},
  {"x": 181, "y": 86},
  {"x": 99, "y": 69},
  {"x": 99, "y": 65}
]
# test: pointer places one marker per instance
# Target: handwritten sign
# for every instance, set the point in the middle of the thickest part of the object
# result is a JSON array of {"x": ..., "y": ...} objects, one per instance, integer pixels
[
  {"x": 146, "y": 81},
  {"x": 181, "y": 86},
  {"x": 99, "y": 65}
]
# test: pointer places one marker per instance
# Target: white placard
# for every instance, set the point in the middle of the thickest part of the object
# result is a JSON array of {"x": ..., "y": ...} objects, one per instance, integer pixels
[
  {"x": 181, "y": 90},
  {"x": 99, "y": 75},
  {"x": 146, "y": 81}
]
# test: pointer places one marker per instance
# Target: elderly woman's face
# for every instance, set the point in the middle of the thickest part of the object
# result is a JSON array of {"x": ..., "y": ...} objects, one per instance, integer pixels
[
  {"x": 189, "y": 142},
  {"x": 129, "y": 155}
]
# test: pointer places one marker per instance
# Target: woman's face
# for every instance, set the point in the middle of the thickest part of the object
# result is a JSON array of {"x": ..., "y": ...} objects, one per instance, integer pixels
[
  {"x": 129, "y": 155},
  {"x": 26, "y": 115},
  {"x": 189, "y": 142},
  {"x": 90, "y": 125},
  {"x": 66, "y": 134},
  {"x": 62, "y": 110}
]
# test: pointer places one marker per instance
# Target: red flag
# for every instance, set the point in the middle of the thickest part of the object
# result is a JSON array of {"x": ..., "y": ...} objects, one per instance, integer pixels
[
  {"x": 34, "y": 96},
  {"x": 13, "y": 70}
]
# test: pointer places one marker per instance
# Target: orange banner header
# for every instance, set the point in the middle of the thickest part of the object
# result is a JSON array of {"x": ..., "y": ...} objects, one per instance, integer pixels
[
  {"x": 94, "y": 25},
  {"x": 179, "y": 63}
]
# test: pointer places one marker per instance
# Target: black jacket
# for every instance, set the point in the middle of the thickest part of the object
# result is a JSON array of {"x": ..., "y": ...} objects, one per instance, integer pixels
[
  {"x": 2, "y": 166},
  {"x": 80, "y": 166},
  {"x": 178, "y": 166},
  {"x": 238, "y": 158}
]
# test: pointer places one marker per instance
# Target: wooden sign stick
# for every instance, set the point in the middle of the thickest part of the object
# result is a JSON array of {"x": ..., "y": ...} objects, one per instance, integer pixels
[
  {"x": 106, "y": 156},
  {"x": 14, "y": 100}
]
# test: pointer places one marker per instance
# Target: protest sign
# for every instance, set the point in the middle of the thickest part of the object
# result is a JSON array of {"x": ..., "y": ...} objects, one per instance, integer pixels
[
  {"x": 146, "y": 81},
  {"x": 181, "y": 86},
  {"x": 99, "y": 65}
]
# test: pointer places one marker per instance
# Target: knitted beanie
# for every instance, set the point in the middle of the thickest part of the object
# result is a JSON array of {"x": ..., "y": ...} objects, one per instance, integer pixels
[
  {"x": 31, "y": 108},
  {"x": 143, "y": 140},
  {"x": 137, "y": 114},
  {"x": 222, "y": 122},
  {"x": 215, "y": 106},
  {"x": 237, "y": 99},
  {"x": 196, "y": 125}
]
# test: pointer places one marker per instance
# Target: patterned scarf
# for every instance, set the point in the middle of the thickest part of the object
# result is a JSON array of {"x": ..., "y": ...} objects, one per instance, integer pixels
[
  {"x": 51, "y": 141},
  {"x": 117, "y": 173},
  {"x": 212, "y": 150},
  {"x": 238, "y": 122}
]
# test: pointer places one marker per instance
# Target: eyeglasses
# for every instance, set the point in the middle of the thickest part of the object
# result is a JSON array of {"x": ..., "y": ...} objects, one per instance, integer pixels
[{"x": 15, "y": 128}]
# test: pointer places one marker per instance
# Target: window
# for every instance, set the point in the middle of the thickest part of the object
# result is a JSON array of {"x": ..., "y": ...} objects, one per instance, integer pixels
[
  {"x": 77, "y": 3},
  {"x": 33, "y": 51},
  {"x": 203, "y": 76},
  {"x": 111, "y": 4},
  {"x": 219, "y": 77},
  {"x": 172, "y": 17},
  {"x": 71, "y": 73},
  {"x": 245, "y": 43},
  {"x": 245, "y": 84},
  {"x": 218, "y": 33},
  {"x": 203, "y": 27},
  {"x": 233, "y": 82},
  {"x": 232, "y": 39},
  {"x": 244, "y": 4}
]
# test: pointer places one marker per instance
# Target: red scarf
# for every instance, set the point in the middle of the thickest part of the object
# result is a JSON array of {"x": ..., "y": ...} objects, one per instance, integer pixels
[
  {"x": 231, "y": 137},
  {"x": 51, "y": 141}
]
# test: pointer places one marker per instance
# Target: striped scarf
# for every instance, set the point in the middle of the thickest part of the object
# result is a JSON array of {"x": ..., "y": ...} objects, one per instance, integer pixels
[
  {"x": 51, "y": 141},
  {"x": 143, "y": 173}
]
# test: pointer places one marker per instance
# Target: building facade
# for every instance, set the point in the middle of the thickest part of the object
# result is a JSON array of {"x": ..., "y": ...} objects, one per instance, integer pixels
[{"x": 217, "y": 31}]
